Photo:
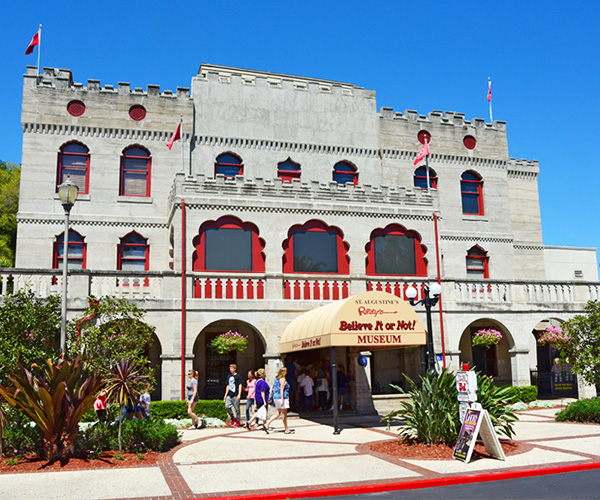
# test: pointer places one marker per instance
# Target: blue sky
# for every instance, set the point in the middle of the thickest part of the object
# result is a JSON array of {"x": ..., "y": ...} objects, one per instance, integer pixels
[{"x": 542, "y": 58}]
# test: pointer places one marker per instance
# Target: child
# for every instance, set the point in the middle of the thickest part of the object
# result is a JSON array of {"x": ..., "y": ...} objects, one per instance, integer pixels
[{"x": 306, "y": 387}]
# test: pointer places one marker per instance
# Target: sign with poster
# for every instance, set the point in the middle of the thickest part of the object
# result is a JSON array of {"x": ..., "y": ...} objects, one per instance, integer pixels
[{"x": 477, "y": 422}]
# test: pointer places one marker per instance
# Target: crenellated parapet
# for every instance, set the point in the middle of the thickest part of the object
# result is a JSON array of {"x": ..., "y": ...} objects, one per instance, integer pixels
[
  {"x": 313, "y": 196},
  {"x": 523, "y": 169},
  {"x": 442, "y": 118}
]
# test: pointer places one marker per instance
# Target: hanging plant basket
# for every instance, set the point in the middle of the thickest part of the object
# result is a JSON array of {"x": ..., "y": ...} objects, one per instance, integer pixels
[
  {"x": 229, "y": 341},
  {"x": 486, "y": 338},
  {"x": 554, "y": 336}
]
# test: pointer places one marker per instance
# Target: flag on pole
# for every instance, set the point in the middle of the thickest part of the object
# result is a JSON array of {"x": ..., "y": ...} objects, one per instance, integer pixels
[
  {"x": 423, "y": 152},
  {"x": 34, "y": 41},
  {"x": 489, "y": 96},
  {"x": 175, "y": 137}
]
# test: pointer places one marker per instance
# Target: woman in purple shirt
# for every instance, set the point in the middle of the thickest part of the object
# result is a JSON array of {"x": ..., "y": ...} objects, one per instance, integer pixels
[{"x": 261, "y": 397}]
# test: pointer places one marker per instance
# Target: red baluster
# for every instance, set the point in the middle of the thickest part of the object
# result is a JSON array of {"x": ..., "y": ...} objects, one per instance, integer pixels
[
  {"x": 239, "y": 290},
  {"x": 229, "y": 289},
  {"x": 197, "y": 288},
  {"x": 316, "y": 290},
  {"x": 369, "y": 286},
  {"x": 397, "y": 291},
  {"x": 378, "y": 286},
  {"x": 250, "y": 289},
  {"x": 208, "y": 289},
  {"x": 306, "y": 290},
  {"x": 260, "y": 291},
  {"x": 388, "y": 287},
  {"x": 336, "y": 291},
  {"x": 287, "y": 290},
  {"x": 218, "y": 289},
  {"x": 345, "y": 292},
  {"x": 325, "y": 290},
  {"x": 296, "y": 290}
]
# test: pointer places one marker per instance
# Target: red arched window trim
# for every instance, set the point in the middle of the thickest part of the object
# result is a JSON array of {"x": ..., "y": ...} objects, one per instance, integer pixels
[
  {"x": 228, "y": 222},
  {"x": 223, "y": 161},
  {"x": 420, "y": 260},
  {"x": 471, "y": 184},
  {"x": 141, "y": 187},
  {"x": 292, "y": 171},
  {"x": 75, "y": 240},
  {"x": 126, "y": 241},
  {"x": 475, "y": 256},
  {"x": 420, "y": 178},
  {"x": 344, "y": 169},
  {"x": 314, "y": 225},
  {"x": 64, "y": 169}
]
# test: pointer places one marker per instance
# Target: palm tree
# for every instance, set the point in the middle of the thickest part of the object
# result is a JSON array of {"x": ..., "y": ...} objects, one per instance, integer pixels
[{"x": 124, "y": 386}]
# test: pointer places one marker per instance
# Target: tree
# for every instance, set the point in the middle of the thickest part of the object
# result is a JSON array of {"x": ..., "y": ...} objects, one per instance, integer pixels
[
  {"x": 584, "y": 331},
  {"x": 111, "y": 329},
  {"x": 10, "y": 175},
  {"x": 29, "y": 330}
]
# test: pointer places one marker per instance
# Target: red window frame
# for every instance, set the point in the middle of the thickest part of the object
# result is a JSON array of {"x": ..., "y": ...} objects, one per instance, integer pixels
[
  {"x": 220, "y": 163},
  {"x": 474, "y": 254},
  {"x": 285, "y": 174},
  {"x": 75, "y": 240},
  {"x": 420, "y": 260},
  {"x": 421, "y": 173},
  {"x": 350, "y": 170},
  {"x": 126, "y": 169},
  {"x": 128, "y": 242},
  {"x": 342, "y": 247},
  {"x": 471, "y": 178},
  {"x": 61, "y": 176},
  {"x": 228, "y": 222}
]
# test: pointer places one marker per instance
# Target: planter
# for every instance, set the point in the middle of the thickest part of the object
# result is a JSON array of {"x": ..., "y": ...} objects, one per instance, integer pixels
[
  {"x": 229, "y": 341},
  {"x": 486, "y": 338}
]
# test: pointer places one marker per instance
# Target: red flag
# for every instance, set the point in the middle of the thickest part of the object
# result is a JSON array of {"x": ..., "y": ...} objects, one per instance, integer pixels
[
  {"x": 175, "y": 137},
  {"x": 34, "y": 41},
  {"x": 423, "y": 152},
  {"x": 489, "y": 90}
]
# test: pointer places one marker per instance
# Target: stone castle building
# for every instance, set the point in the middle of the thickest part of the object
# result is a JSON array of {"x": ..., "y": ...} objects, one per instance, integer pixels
[{"x": 291, "y": 192}]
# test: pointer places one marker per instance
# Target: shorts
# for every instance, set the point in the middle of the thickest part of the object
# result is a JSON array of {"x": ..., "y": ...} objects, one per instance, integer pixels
[
  {"x": 341, "y": 391},
  {"x": 279, "y": 406}
]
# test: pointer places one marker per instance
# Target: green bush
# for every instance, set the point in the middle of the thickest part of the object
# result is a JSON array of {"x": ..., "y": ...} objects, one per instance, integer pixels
[
  {"x": 155, "y": 434},
  {"x": 582, "y": 410},
  {"x": 25, "y": 439},
  {"x": 526, "y": 394},
  {"x": 212, "y": 408},
  {"x": 431, "y": 414}
]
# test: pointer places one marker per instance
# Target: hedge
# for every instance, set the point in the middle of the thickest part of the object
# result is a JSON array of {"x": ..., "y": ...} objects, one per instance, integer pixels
[
  {"x": 211, "y": 408},
  {"x": 582, "y": 410},
  {"x": 526, "y": 393}
]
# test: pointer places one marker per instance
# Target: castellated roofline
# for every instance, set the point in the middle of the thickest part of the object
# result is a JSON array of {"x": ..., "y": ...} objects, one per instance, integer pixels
[
  {"x": 62, "y": 79},
  {"x": 438, "y": 117}
]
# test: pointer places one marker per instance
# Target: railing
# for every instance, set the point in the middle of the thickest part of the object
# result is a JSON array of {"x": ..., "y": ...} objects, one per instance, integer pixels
[{"x": 509, "y": 294}]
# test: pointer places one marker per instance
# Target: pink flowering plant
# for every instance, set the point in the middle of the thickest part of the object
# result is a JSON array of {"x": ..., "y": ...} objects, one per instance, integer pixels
[
  {"x": 555, "y": 336},
  {"x": 486, "y": 338},
  {"x": 229, "y": 341}
]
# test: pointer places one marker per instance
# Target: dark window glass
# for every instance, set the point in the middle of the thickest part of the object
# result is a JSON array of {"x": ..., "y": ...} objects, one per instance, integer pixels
[
  {"x": 134, "y": 253},
  {"x": 228, "y": 249},
  {"x": 228, "y": 165},
  {"x": 288, "y": 170},
  {"x": 421, "y": 178},
  {"x": 315, "y": 252},
  {"x": 395, "y": 254},
  {"x": 344, "y": 173},
  {"x": 135, "y": 173},
  {"x": 75, "y": 251}
]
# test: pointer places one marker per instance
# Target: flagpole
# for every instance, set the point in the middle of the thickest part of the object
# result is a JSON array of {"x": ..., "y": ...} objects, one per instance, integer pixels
[
  {"x": 427, "y": 166},
  {"x": 490, "y": 94},
  {"x": 181, "y": 139},
  {"x": 39, "y": 48}
]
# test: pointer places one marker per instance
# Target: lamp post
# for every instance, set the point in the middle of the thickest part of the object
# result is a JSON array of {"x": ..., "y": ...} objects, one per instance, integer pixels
[
  {"x": 67, "y": 192},
  {"x": 432, "y": 295}
]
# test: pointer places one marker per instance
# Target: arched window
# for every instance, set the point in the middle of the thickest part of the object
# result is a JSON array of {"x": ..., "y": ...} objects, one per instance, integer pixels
[
  {"x": 229, "y": 165},
  {"x": 133, "y": 253},
  {"x": 228, "y": 244},
  {"x": 471, "y": 187},
  {"x": 74, "y": 162},
  {"x": 288, "y": 170},
  {"x": 395, "y": 251},
  {"x": 420, "y": 179},
  {"x": 76, "y": 252},
  {"x": 344, "y": 172},
  {"x": 315, "y": 248},
  {"x": 477, "y": 263},
  {"x": 135, "y": 172}
]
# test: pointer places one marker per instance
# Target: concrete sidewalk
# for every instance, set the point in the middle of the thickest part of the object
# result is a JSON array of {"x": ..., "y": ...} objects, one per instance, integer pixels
[{"x": 234, "y": 462}]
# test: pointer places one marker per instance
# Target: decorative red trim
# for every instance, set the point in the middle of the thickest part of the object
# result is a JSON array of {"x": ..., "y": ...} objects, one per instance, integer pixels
[
  {"x": 148, "y": 171},
  {"x": 478, "y": 253},
  {"x": 422, "y": 135},
  {"x": 353, "y": 172},
  {"x": 59, "y": 171},
  {"x": 228, "y": 222},
  {"x": 420, "y": 249},
  {"x": 288, "y": 175},
  {"x": 420, "y": 173},
  {"x": 240, "y": 165},
  {"x": 71, "y": 243},
  {"x": 123, "y": 244},
  {"x": 479, "y": 193},
  {"x": 315, "y": 225}
]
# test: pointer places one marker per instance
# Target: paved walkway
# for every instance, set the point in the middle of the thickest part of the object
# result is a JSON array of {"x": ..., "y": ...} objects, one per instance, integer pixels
[{"x": 234, "y": 462}]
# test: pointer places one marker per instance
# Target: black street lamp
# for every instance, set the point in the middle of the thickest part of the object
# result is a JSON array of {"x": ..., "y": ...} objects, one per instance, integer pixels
[
  {"x": 432, "y": 295},
  {"x": 67, "y": 192}
]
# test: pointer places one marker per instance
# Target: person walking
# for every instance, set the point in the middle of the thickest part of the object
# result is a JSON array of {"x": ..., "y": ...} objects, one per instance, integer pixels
[
  {"x": 261, "y": 398},
  {"x": 192, "y": 397},
  {"x": 233, "y": 395},
  {"x": 281, "y": 398},
  {"x": 100, "y": 406},
  {"x": 250, "y": 389}
]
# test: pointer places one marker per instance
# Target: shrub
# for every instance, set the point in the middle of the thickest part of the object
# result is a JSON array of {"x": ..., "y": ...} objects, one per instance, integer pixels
[
  {"x": 431, "y": 414},
  {"x": 155, "y": 434},
  {"x": 211, "y": 408},
  {"x": 23, "y": 438},
  {"x": 526, "y": 394},
  {"x": 582, "y": 410}
]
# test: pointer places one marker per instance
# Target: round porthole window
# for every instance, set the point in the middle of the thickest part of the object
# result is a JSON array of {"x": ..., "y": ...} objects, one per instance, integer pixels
[
  {"x": 470, "y": 142},
  {"x": 76, "y": 108},
  {"x": 137, "y": 113},
  {"x": 422, "y": 135}
]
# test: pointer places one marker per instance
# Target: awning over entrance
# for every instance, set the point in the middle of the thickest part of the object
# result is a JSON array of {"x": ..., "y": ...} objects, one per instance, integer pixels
[{"x": 368, "y": 320}]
